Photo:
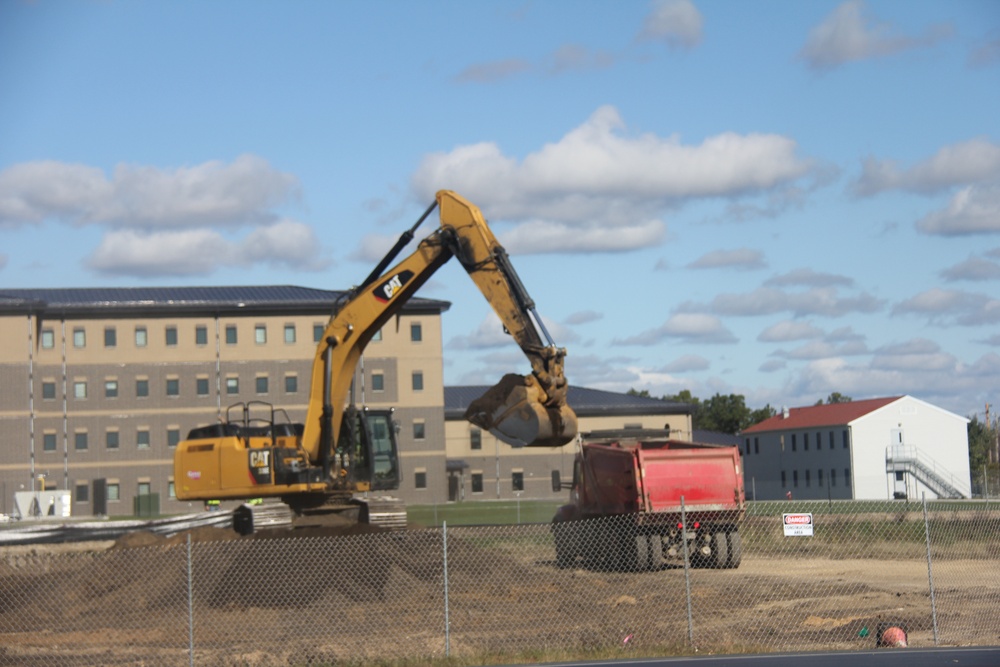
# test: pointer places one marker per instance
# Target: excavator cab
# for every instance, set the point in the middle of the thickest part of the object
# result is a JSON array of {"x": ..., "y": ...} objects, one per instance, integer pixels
[{"x": 367, "y": 452}]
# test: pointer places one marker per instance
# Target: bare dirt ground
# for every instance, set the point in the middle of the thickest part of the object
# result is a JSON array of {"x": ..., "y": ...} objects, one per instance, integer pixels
[{"x": 275, "y": 600}]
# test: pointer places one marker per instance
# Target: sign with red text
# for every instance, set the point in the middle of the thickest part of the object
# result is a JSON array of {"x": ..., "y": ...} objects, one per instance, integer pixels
[{"x": 797, "y": 525}]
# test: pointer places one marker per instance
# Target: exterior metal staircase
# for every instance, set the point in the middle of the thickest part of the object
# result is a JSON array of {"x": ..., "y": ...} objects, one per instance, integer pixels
[{"x": 902, "y": 458}]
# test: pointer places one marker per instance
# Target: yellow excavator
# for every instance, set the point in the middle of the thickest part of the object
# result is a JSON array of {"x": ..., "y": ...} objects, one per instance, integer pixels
[{"x": 332, "y": 461}]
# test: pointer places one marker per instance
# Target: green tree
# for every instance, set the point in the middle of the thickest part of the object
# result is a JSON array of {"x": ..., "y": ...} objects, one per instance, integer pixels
[
  {"x": 760, "y": 414},
  {"x": 724, "y": 414},
  {"x": 982, "y": 438}
]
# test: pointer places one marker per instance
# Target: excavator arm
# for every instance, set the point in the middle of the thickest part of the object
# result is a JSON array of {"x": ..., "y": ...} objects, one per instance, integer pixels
[{"x": 526, "y": 410}]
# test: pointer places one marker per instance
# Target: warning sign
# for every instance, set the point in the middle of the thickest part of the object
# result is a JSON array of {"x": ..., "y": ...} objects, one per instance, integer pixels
[{"x": 797, "y": 524}]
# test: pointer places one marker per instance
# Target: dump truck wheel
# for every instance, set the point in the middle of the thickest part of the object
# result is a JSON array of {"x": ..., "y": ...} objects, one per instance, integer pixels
[
  {"x": 655, "y": 551},
  {"x": 735, "y": 549},
  {"x": 720, "y": 551},
  {"x": 564, "y": 535},
  {"x": 642, "y": 552}
]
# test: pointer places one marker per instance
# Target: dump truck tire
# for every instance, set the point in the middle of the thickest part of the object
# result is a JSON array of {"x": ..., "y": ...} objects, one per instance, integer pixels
[
  {"x": 720, "y": 550},
  {"x": 735, "y": 549}
]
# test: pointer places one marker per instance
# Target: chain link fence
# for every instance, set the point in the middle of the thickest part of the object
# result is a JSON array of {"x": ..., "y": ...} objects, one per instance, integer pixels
[{"x": 506, "y": 593}]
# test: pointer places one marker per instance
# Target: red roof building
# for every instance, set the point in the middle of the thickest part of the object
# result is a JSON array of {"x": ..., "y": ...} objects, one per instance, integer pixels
[{"x": 879, "y": 448}]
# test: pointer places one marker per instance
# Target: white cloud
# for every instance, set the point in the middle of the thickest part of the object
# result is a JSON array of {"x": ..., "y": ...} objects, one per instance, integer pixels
[
  {"x": 823, "y": 350},
  {"x": 808, "y": 278},
  {"x": 692, "y": 327},
  {"x": 599, "y": 188},
  {"x": 166, "y": 222},
  {"x": 492, "y": 71},
  {"x": 848, "y": 35},
  {"x": 744, "y": 259},
  {"x": 676, "y": 22},
  {"x": 201, "y": 252},
  {"x": 945, "y": 306},
  {"x": 815, "y": 301},
  {"x": 686, "y": 364},
  {"x": 212, "y": 193},
  {"x": 973, "y": 210},
  {"x": 966, "y": 163},
  {"x": 789, "y": 330},
  {"x": 584, "y": 317},
  {"x": 973, "y": 268},
  {"x": 490, "y": 334}
]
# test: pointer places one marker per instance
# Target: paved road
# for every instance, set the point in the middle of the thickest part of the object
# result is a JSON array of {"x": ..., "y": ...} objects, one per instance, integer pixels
[{"x": 910, "y": 657}]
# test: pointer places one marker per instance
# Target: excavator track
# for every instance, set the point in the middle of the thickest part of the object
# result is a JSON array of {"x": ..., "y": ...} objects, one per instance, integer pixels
[{"x": 338, "y": 510}]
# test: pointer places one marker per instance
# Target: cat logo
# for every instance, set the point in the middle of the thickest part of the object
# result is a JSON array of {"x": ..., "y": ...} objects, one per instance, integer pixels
[
  {"x": 260, "y": 458},
  {"x": 260, "y": 466},
  {"x": 389, "y": 288}
]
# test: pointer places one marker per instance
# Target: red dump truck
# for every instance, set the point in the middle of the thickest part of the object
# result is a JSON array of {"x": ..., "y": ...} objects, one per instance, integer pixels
[{"x": 626, "y": 503}]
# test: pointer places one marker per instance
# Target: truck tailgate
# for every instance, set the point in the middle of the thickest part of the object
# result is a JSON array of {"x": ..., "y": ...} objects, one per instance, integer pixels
[{"x": 708, "y": 479}]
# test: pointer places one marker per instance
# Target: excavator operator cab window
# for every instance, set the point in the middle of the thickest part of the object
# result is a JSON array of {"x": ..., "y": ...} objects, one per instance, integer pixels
[{"x": 385, "y": 458}]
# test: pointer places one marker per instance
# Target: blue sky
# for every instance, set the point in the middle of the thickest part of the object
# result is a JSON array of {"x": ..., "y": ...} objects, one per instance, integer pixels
[{"x": 780, "y": 199}]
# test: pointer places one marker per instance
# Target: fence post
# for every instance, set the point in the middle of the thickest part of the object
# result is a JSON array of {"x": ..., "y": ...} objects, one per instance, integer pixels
[
  {"x": 930, "y": 573},
  {"x": 447, "y": 629},
  {"x": 687, "y": 574},
  {"x": 190, "y": 596}
]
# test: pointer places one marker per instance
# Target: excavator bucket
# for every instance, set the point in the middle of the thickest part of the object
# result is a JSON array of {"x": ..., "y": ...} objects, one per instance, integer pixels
[{"x": 517, "y": 411}]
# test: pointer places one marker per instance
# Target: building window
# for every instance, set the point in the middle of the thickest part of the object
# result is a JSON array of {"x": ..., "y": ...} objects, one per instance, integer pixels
[
  {"x": 82, "y": 493},
  {"x": 748, "y": 446},
  {"x": 110, "y": 337},
  {"x": 173, "y": 387},
  {"x": 232, "y": 385},
  {"x": 49, "y": 391},
  {"x": 80, "y": 389},
  {"x": 377, "y": 336},
  {"x": 805, "y": 443},
  {"x": 171, "y": 334},
  {"x": 144, "y": 489},
  {"x": 289, "y": 333},
  {"x": 807, "y": 478},
  {"x": 844, "y": 438},
  {"x": 291, "y": 384},
  {"x": 756, "y": 445},
  {"x": 173, "y": 437},
  {"x": 142, "y": 438},
  {"x": 517, "y": 480},
  {"x": 49, "y": 442},
  {"x": 416, "y": 332},
  {"x": 80, "y": 440},
  {"x": 831, "y": 439},
  {"x": 420, "y": 479},
  {"x": 784, "y": 482},
  {"x": 111, "y": 389},
  {"x": 476, "y": 439},
  {"x": 201, "y": 335},
  {"x": 142, "y": 388},
  {"x": 48, "y": 339},
  {"x": 847, "y": 477},
  {"x": 819, "y": 477},
  {"x": 794, "y": 441},
  {"x": 795, "y": 478},
  {"x": 418, "y": 430},
  {"x": 141, "y": 337},
  {"x": 378, "y": 382},
  {"x": 318, "y": 330},
  {"x": 201, "y": 386},
  {"x": 260, "y": 334},
  {"x": 114, "y": 492},
  {"x": 231, "y": 334},
  {"x": 111, "y": 439},
  {"x": 833, "y": 477},
  {"x": 477, "y": 482},
  {"x": 79, "y": 337},
  {"x": 170, "y": 489},
  {"x": 418, "y": 381},
  {"x": 261, "y": 384}
]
